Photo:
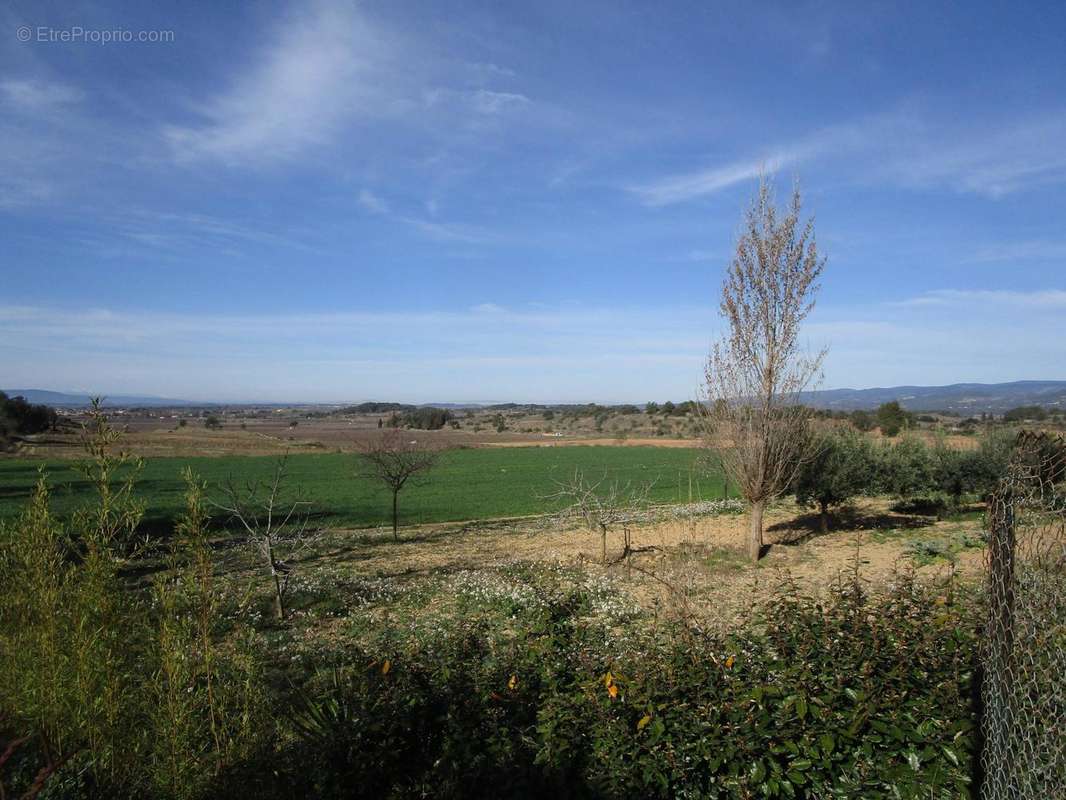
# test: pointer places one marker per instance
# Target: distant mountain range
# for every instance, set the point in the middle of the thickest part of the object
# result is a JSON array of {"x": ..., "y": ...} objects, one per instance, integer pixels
[
  {"x": 964, "y": 398},
  {"x": 67, "y": 400}
]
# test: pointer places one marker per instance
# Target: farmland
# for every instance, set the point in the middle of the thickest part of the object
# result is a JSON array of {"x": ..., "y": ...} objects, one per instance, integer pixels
[{"x": 468, "y": 484}]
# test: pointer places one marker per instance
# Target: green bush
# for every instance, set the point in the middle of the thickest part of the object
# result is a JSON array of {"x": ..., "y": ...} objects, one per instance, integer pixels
[
  {"x": 906, "y": 469},
  {"x": 856, "y": 698}
]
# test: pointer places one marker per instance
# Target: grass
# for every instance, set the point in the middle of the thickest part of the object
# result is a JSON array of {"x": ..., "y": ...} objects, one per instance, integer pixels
[{"x": 467, "y": 484}]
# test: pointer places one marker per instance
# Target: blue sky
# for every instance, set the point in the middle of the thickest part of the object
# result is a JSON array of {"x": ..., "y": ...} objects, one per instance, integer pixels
[{"x": 518, "y": 201}]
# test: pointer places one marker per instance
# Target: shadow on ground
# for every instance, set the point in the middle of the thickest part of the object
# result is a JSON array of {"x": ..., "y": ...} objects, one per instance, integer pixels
[{"x": 805, "y": 527}]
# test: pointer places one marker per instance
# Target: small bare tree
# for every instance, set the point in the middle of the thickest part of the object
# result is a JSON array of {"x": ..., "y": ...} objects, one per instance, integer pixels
[
  {"x": 394, "y": 460},
  {"x": 757, "y": 371},
  {"x": 602, "y": 506},
  {"x": 277, "y": 524}
]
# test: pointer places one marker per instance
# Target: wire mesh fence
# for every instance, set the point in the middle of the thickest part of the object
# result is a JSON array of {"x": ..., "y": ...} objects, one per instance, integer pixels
[{"x": 1024, "y": 653}]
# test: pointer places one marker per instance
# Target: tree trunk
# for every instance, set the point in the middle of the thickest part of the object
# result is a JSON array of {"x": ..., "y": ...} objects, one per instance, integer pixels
[
  {"x": 824, "y": 517},
  {"x": 755, "y": 531},
  {"x": 395, "y": 517},
  {"x": 279, "y": 607},
  {"x": 603, "y": 544}
]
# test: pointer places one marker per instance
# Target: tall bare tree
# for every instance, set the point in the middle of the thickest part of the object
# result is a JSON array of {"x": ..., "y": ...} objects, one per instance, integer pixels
[
  {"x": 277, "y": 524},
  {"x": 757, "y": 370},
  {"x": 394, "y": 459}
]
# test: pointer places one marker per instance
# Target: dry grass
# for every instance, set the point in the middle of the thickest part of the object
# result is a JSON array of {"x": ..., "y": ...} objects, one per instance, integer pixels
[{"x": 699, "y": 562}]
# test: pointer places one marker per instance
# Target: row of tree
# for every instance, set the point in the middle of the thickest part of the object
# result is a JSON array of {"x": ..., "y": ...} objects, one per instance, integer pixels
[
  {"x": 18, "y": 417},
  {"x": 844, "y": 464}
]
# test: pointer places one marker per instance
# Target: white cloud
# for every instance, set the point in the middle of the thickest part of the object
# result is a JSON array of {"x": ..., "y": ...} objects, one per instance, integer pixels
[
  {"x": 1043, "y": 299},
  {"x": 1036, "y": 250},
  {"x": 324, "y": 67},
  {"x": 36, "y": 96},
  {"x": 837, "y": 139},
  {"x": 1000, "y": 161},
  {"x": 451, "y": 231},
  {"x": 905, "y": 148},
  {"x": 488, "y": 102},
  {"x": 679, "y": 188},
  {"x": 371, "y": 202}
]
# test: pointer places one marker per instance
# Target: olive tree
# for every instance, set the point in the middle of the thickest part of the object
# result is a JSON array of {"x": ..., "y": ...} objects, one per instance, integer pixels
[
  {"x": 843, "y": 466},
  {"x": 757, "y": 371}
]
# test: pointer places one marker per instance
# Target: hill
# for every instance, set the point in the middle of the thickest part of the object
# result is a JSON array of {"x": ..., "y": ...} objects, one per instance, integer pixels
[{"x": 964, "y": 398}]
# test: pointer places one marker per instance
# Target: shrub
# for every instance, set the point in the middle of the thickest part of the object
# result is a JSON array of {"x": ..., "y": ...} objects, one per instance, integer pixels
[
  {"x": 891, "y": 418},
  {"x": 858, "y": 697},
  {"x": 426, "y": 419},
  {"x": 20, "y": 418},
  {"x": 906, "y": 469}
]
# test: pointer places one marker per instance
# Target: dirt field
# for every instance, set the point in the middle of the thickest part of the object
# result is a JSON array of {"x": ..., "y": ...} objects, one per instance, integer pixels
[
  {"x": 699, "y": 562},
  {"x": 268, "y": 432}
]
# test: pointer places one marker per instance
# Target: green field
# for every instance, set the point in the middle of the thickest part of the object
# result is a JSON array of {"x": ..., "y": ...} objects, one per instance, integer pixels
[{"x": 467, "y": 484}]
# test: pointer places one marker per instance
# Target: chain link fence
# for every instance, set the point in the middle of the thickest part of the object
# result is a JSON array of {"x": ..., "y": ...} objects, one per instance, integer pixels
[{"x": 1024, "y": 652}]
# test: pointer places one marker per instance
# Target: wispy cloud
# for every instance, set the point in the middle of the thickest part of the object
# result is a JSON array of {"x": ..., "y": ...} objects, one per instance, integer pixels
[
  {"x": 37, "y": 96},
  {"x": 1035, "y": 250},
  {"x": 325, "y": 66},
  {"x": 679, "y": 188},
  {"x": 1004, "y": 160},
  {"x": 432, "y": 229},
  {"x": 357, "y": 353},
  {"x": 838, "y": 139},
  {"x": 1042, "y": 299},
  {"x": 371, "y": 202},
  {"x": 906, "y": 148},
  {"x": 451, "y": 231},
  {"x": 35, "y": 155}
]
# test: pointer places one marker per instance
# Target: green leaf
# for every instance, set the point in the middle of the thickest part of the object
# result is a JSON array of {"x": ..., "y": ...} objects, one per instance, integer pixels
[
  {"x": 758, "y": 772},
  {"x": 952, "y": 757}
]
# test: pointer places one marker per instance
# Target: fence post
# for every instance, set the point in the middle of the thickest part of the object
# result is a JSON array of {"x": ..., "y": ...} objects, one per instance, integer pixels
[{"x": 999, "y": 646}]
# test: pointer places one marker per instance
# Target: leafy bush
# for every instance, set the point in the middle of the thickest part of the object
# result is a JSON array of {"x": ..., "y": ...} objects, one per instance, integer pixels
[
  {"x": 906, "y": 469},
  {"x": 20, "y": 418},
  {"x": 858, "y": 698},
  {"x": 426, "y": 419},
  {"x": 106, "y": 689}
]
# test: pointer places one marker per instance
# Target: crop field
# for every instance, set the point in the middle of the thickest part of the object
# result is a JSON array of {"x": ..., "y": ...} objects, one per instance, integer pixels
[{"x": 467, "y": 484}]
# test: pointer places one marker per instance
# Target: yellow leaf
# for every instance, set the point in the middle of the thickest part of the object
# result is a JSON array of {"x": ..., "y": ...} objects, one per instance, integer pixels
[
  {"x": 729, "y": 662},
  {"x": 612, "y": 690},
  {"x": 513, "y": 683},
  {"x": 386, "y": 667},
  {"x": 608, "y": 679},
  {"x": 643, "y": 722}
]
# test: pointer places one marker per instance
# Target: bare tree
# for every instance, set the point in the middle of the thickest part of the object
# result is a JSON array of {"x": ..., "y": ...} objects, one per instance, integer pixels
[
  {"x": 276, "y": 523},
  {"x": 602, "y": 506},
  {"x": 756, "y": 373},
  {"x": 394, "y": 460}
]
